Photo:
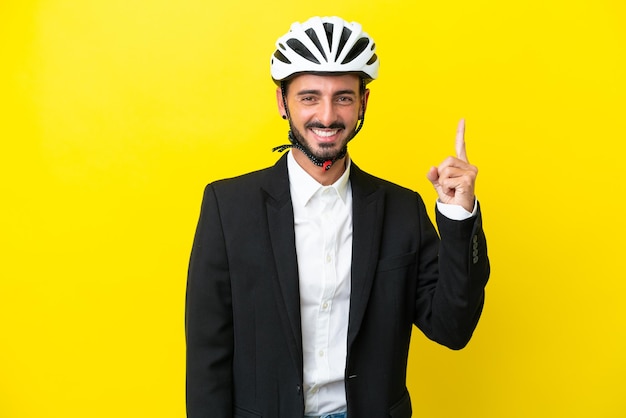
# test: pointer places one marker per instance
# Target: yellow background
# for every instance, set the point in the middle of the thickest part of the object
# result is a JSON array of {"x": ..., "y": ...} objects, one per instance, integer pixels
[{"x": 115, "y": 114}]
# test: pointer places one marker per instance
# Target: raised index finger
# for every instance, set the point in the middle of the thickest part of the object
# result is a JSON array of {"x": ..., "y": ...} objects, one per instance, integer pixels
[{"x": 460, "y": 141}]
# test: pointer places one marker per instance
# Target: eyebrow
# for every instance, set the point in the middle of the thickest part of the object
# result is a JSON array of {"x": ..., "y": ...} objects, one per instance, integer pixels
[{"x": 318, "y": 92}]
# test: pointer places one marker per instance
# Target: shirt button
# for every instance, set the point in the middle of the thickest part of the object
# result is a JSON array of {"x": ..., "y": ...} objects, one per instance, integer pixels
[
  {"x": 328, "y": 258},
  {"x": 325, "y": 305},
  {"x": 321, "y": 353}
]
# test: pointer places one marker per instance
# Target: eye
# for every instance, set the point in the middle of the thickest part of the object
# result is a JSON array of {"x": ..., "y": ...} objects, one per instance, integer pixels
[{"x": 345, "y": 99}]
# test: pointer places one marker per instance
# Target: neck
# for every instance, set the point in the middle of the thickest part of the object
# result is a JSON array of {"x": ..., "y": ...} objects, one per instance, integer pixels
[{"x": 322, "y": 176}]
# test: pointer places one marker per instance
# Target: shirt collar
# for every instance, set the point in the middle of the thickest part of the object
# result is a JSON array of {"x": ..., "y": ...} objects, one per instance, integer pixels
[{"x": 303, "y": 186}]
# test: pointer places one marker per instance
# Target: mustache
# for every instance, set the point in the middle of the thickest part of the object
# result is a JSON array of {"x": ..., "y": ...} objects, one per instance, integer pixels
[{"x": 319, "y": 125}]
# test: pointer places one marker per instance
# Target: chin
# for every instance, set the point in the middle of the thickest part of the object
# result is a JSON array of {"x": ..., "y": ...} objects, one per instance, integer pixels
[{"x": 327, "y": 153}]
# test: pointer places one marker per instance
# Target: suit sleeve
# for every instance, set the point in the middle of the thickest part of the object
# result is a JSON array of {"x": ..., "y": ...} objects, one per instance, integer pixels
[
  {"x": 453, "y": 272},
  {"x": 209, "y": 319}
]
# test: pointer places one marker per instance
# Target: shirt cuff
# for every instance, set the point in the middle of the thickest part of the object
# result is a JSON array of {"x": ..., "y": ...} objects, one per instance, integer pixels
[{"x": 456, "y": 212}]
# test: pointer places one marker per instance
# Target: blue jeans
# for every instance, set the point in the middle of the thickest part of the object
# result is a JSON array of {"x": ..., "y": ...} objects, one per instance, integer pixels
[{"x": 335, "y": 415}]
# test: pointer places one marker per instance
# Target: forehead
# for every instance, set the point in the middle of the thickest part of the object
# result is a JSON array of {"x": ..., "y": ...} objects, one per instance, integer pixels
[{"x": 327, "y": 83}]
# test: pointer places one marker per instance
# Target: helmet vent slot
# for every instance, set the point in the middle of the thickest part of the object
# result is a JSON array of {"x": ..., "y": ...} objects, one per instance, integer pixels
[
  {"x": 279, "y": 56},
  {"x": 328, "y": 28},
  {"x": 345, "y": 35},
  {"x": 359, "y": 46},
  {"x": 302, "y": 50},
  {"x": 316, "y": 41}
]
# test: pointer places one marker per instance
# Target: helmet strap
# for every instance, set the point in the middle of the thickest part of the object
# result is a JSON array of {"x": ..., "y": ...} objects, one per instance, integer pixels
[{"x": 325, "y": 164}]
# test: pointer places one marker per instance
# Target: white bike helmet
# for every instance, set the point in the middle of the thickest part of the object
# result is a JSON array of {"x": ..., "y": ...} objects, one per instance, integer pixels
[{"x": 325, "y": 45}]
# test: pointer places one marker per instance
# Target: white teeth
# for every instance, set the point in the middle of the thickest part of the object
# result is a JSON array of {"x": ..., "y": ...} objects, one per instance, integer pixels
[{"x": 325, "y": 134}]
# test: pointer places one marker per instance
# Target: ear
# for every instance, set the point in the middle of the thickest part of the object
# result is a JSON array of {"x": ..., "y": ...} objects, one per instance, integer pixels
[{"x": 279, "y": 102}]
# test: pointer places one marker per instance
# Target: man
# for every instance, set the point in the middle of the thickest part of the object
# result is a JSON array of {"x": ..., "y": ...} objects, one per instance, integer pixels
[{"x": 305, "y": 278}]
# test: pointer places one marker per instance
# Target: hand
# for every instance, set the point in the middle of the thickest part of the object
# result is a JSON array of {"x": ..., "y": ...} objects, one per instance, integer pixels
[{"x": 455, "y": 178}]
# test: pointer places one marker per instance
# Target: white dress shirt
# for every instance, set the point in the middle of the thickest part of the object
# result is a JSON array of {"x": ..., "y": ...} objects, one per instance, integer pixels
[{"x": 323, "y": 232}]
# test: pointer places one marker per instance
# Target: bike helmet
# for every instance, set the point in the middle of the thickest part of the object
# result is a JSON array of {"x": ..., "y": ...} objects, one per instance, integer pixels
[{"x": 325, "y": 45}]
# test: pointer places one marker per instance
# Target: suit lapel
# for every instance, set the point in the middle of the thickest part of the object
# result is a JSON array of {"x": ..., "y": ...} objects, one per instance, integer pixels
[
  {"x": 367, "y": 209},
  {"x": 282, "y": 237}
]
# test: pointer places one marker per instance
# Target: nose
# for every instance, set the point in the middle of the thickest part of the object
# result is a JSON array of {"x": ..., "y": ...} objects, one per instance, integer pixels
[{"x": 327, "y": 113}]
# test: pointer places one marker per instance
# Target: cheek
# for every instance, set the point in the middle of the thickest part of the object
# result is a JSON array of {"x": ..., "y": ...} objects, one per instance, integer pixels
[
  {"x": 350, "y": 118},
  {"x": 349, "y": 113},
  {"x": 302, "y": 117}
]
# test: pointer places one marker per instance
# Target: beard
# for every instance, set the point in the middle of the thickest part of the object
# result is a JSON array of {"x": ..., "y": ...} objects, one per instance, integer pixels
[{"x": 326, "y": 151}]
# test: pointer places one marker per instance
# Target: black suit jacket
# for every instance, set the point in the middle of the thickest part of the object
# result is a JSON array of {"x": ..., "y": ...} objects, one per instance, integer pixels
[{"x": 243, "y": 330}]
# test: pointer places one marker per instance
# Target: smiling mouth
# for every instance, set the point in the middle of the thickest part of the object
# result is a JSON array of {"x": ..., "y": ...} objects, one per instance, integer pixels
[{"x": 325, "y": 133}]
